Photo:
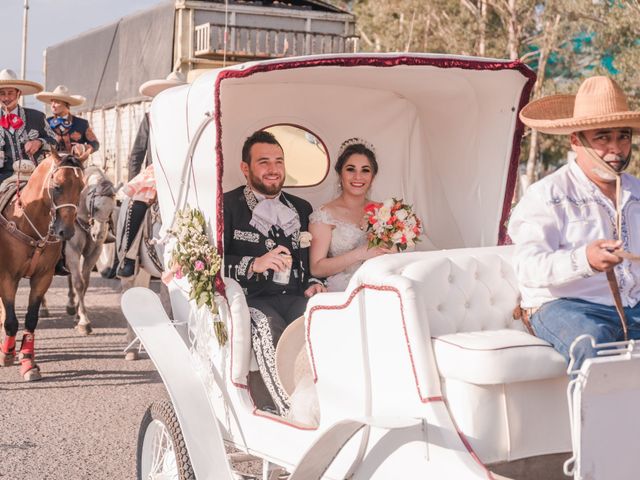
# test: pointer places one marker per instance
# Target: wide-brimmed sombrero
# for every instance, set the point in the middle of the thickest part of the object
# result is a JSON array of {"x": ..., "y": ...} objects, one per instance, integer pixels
[
  {"x": 292, "y": 361},
  {"x": 9, "y": 79},
  {"x": 599, "y": 103},
  {"x": 61, "y": 92},
  {"x": 151, "y": 88}
]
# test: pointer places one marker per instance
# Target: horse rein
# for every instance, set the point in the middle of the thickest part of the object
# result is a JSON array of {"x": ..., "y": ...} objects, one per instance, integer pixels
[{"x": 54, "y": 207}]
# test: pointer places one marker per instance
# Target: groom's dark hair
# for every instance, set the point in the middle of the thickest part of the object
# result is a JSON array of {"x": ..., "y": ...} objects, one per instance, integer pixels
[{"x": 261, "y": 136}]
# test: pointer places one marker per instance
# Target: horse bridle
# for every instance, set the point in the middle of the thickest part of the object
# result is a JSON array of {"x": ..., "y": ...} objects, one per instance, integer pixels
[
  {"x": 50, "y": 236},
  {"x": 91, "y": 195}
]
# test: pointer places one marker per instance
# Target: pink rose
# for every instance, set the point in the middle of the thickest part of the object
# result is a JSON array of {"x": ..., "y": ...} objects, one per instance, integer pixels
[
  {"x": 199, "y": 265},
  {"x": 168, "y": 275}
]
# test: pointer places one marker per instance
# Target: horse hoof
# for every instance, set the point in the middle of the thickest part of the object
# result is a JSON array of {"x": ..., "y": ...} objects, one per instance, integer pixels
[
  {"x": 84, "y": 328},
  {"x": 6, "y": 360},
  {"x": 131, "y": 355},
  {"x": 32, "y": 375},
  {"x": 71, "y": 310}
]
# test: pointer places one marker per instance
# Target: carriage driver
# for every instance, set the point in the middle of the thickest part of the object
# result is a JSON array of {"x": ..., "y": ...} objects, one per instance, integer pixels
[
  {"x": 24, "y": 132},
  {"x": 574, "y": 229},
  {"x": 73, "y": 135}
]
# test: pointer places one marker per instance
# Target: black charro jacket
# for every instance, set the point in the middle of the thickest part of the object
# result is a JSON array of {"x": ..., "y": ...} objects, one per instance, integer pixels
[{"x": 243, "y": 244}]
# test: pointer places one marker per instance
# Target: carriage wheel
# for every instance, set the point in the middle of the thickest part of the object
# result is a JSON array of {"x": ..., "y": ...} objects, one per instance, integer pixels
[{"x": 162, "y": 454}]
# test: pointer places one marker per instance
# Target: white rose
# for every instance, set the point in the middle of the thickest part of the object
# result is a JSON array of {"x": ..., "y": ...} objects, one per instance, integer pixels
[
  {"x": 401, "y": 214},
  {"x": 384, "y": 214},
  {"x": 397, "y": 237},
  {"x": 305, "y": 239}
]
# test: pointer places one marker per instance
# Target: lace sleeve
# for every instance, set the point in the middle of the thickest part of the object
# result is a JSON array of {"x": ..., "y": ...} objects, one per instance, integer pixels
[{"x": 322, "y": 216}]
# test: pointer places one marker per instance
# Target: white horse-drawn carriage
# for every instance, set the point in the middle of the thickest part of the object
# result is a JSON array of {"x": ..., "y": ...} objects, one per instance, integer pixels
[{"x": 421, "y": 371}]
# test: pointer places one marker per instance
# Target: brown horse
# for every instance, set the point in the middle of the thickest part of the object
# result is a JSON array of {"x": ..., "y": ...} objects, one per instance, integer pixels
[{"x": 32, "y": 226}]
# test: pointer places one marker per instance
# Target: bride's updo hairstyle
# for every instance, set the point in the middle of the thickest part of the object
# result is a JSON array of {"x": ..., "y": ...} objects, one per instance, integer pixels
[{"x": 353, "y": 146}]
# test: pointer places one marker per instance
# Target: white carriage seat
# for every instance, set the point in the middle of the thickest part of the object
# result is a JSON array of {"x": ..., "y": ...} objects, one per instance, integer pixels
[
  {"x": 505, "y": 388},
  {"x": 239, "y": 324},
  {"x": 469, "y": 300}
]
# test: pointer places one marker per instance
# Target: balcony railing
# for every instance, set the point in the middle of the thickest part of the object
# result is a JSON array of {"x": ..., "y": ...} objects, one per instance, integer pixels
[{"x": 253, "y": 42}]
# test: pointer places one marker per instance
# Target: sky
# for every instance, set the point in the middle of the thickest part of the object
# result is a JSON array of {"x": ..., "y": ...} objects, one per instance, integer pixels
[{"x": 51, "y": 22}]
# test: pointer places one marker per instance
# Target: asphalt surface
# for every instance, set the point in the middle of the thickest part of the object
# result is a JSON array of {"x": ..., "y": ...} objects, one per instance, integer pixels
[{"x": 81, "y": 420}]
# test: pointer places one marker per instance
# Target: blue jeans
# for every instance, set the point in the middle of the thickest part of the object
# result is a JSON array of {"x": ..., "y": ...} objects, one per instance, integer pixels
[{"x": 561, "y": 321}]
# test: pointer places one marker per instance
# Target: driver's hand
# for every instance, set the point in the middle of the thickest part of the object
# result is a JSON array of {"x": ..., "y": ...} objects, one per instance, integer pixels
[{"x": 600, "y": 256}]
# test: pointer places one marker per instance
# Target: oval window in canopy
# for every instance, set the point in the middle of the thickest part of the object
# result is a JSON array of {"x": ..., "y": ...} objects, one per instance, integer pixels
[{"x": 305, "y": 155}]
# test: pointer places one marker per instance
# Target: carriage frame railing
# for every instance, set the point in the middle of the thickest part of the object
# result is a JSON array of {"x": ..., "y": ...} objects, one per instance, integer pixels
[{"x": 255, "y": 42}]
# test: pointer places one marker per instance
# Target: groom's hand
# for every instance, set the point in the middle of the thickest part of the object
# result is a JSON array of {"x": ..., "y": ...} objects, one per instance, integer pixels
[
  {"x": 313, "y": 289},
  {"x": 271, "y": 260}
]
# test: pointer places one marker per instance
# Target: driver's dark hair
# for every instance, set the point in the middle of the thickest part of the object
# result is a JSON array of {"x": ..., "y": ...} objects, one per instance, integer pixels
[{"x": 261, "y": 136}]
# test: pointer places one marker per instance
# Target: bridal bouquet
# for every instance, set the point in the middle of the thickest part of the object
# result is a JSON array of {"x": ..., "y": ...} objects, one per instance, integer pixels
[
  {"x": 196, "y": 259},
  {"x": 392, "y": 223}
]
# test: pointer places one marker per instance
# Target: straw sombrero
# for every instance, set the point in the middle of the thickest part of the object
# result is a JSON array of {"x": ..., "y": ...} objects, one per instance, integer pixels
[
  {"x": 61, "y": 92},
  {"x": 292, "y": 361},
  {"x": 9, "y": 79},
  {"x": 151, "y": 88},
  {"x": 599, "y": 103}
]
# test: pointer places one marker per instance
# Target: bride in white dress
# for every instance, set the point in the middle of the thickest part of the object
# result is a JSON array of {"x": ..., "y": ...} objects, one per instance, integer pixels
[
  {"x": 338, "y": 248},
  {"x": 339, "y": 242}
]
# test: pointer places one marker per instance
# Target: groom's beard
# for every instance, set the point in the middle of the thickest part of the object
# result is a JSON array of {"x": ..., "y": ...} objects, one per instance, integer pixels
[{"x": 259, "y": 186}]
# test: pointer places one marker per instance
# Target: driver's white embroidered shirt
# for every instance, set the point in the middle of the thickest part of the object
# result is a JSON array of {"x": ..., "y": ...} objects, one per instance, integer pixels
[{"x": 551, "y": 227}]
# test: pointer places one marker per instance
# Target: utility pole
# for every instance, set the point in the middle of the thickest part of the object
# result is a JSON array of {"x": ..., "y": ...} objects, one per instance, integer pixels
[{"x": 23, "y": 72}]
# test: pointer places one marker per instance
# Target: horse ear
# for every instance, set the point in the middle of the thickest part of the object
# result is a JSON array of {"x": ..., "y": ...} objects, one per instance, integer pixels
[{"x": 54, "y": 153}]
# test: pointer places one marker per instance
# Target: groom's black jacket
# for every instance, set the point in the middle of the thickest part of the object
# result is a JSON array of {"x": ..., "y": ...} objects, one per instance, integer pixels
[{"x": 243, "y": 244}]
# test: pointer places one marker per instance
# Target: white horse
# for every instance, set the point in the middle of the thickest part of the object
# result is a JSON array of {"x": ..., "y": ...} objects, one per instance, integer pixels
[{"x": 97, "y": 202}]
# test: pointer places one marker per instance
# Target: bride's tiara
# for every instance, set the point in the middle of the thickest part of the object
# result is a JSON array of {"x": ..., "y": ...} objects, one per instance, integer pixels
[{"x": 355, "y": 141}]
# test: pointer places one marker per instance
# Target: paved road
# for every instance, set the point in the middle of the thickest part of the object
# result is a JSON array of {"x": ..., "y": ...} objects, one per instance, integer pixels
[{"x": 81, "y": 420}]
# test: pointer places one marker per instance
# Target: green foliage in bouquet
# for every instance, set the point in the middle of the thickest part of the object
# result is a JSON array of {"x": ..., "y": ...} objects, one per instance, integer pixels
[{"x": 196, "y": 259}]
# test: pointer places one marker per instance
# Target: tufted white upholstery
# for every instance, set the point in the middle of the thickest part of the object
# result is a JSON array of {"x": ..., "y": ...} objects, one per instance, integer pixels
[
  {"x": 469, "y": 300},
  {"x": 504, "y": 387}
]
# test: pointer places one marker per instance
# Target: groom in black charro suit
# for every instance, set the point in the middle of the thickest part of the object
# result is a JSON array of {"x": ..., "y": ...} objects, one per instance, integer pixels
[{"x": 262, "y": 240}]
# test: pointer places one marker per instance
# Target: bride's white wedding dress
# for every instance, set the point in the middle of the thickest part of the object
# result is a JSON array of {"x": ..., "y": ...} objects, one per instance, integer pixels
[{"x": 344, "y": 238}]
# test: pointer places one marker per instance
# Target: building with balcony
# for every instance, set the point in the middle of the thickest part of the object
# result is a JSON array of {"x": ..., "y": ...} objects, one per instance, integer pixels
[{"x": 108, "y": 64}]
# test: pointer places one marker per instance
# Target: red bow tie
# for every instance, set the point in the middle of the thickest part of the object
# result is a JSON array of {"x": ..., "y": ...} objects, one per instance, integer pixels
[{"x": 11, "y": 121}]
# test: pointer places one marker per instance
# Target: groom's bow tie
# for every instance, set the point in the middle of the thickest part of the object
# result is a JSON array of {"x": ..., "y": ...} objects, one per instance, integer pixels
[{"x": 271, "y": 212}]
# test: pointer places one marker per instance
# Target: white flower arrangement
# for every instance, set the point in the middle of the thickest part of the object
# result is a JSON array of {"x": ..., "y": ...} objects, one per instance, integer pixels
[{"x": 196, "y": 259}]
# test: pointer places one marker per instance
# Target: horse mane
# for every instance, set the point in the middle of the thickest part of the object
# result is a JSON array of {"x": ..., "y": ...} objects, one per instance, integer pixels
[{"x": 70, "y": 161}]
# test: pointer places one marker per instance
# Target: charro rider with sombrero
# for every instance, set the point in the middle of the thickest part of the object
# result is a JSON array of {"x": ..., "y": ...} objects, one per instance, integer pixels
[
  {"x": 24, "y": 132},
  {"x": 69, "y": 130},
  {"x": 574, "y": 229},
  {"x": 73, "y": 135}
]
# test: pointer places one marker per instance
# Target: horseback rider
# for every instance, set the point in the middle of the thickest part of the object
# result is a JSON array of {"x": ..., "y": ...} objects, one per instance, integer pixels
[
  {"x": 141, "y": 187},
  {"x": 73, "y": 135},
  {"x": 24, "y": 132}
]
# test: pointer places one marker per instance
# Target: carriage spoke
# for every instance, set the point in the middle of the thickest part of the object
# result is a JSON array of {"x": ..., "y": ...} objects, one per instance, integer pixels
[{"x": 163, "y": 464}]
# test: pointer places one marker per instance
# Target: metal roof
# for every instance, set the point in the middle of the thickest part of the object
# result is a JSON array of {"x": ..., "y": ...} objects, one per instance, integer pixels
[{"x": 303, "y": 4}]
